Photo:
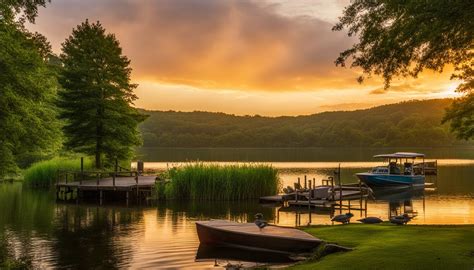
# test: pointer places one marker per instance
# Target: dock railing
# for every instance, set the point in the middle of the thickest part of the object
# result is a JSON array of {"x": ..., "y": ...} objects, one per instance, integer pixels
[{"x": 65, "y": 176}]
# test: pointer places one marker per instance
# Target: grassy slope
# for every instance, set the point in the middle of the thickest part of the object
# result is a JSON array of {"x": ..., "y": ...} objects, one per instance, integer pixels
[{"x": 397, "y": 247}]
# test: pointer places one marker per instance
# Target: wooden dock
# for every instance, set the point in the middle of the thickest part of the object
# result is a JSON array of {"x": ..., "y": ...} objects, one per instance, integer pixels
[
  {"x": 117, "y": 185},
  {"x": 121, "y": 183},
  {"x": 325, "y": 196}
]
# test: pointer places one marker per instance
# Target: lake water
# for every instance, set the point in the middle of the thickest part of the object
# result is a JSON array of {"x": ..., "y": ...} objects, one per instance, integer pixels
[{"x": 46, "y": 234}]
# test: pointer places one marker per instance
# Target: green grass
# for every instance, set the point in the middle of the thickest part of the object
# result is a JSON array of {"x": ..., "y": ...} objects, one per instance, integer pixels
[
  {"x": 387, "y": 246},
  {"x": 199, "y": 181},
  {"x": 43, "y": 174}
]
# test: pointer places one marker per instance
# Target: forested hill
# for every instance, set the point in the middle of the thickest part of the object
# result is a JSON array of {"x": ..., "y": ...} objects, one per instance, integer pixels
[{"x": 413, "y": 123}]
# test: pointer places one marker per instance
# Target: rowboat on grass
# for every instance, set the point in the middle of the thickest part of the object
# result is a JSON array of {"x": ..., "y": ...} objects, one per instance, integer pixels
[{"x": 249, "y": 236}]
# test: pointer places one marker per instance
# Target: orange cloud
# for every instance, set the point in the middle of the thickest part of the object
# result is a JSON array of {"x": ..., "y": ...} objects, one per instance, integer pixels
[
  {"x": 236, "y": 56},
  {"x": 233, "y": 44}
]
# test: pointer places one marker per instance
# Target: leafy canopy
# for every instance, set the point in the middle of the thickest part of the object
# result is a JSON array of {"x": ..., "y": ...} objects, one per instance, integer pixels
[
  {"x": 22, "y": 9},
  {"x": 97, "y": 96},
  {"x": 402, "y": 38},
  {"x": 28, "y": 126}
]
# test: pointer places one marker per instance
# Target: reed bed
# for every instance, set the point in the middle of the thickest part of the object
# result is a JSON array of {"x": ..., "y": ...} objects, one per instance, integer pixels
[
  {"x": 43, "y": 174},
  {"x": 212, "y": 182}
]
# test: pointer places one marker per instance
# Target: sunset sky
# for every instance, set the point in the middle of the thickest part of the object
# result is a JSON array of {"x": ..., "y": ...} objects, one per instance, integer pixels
[{"x": 242, "y": 57}]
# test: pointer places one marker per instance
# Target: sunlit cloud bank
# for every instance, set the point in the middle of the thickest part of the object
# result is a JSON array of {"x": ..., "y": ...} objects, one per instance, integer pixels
[
  {"x": 214, "y": 44},
  {"x": 238, "y": 56}
]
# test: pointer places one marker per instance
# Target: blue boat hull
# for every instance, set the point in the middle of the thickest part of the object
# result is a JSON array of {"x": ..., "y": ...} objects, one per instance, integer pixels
[{"x": 383, "y": 180}]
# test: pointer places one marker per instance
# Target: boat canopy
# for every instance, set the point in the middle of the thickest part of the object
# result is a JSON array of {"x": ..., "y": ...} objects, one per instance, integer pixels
[{"x": 400, "y": 155}]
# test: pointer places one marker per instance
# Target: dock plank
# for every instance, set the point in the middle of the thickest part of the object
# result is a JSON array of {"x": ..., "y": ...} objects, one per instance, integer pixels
[{"x": 107, "y": 183}]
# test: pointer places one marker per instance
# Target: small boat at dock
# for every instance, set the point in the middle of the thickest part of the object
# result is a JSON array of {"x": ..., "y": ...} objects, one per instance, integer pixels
[
  {"x": 399, "y": 171},
  {"x": 249, "y": 236}
]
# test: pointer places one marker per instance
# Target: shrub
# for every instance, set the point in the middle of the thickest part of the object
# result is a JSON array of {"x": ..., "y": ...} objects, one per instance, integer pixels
[{"x": 43, "y": 174}]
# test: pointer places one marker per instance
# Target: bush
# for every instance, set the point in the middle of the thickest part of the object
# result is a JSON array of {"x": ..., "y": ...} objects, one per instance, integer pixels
[
  {"x": 200, "y": 181},
  {"x": 43, "y": 174}
]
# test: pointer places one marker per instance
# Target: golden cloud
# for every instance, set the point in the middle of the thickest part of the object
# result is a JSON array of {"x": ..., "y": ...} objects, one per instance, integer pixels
[{"x": 235, "y": 44}]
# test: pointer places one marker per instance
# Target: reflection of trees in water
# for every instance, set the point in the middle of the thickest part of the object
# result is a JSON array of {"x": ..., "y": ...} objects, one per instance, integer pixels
[
  {"x": 93, "y": 237},
  {"x": 9, "y": 259},
  {"x": 25, "y": 217},
  {"x": 243, "y": 211},
  {"x": 25, "y": 210}
]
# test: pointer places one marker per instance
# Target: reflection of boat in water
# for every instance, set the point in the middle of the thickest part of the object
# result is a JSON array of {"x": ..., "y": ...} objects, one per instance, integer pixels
[
  {"x": 206, "y": 252},
  {"x": 399, "y": 171},
  {"x": 398, "y": 193},
  {"x": 404, "y": 207},
  {"x": 400, "y": 199},
  {"x": 249, "y": 236}
]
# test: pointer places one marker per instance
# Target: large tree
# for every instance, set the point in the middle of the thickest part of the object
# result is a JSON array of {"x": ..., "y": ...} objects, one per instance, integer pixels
[
  {"x": 98, "y": 95},
  {"x": 402, "y": 38},
  {"x": 28, "y": 126}
]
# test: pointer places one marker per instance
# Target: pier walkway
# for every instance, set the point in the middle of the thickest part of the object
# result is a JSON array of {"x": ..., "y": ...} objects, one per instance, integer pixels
[
  {"x": 116, "y": 185},
  {"x": 121, "y": 183}
]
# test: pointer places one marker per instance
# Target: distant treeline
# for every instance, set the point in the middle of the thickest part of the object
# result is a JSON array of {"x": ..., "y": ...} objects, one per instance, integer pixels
[{"x": 413, "y": 123}]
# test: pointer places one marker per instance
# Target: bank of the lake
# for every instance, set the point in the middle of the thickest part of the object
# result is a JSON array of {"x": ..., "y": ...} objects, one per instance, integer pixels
[{"x": 388, "y": 246}]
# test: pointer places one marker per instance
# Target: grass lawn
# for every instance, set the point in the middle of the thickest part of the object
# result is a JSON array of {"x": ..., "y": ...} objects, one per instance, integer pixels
[{"x": 386, "y": 246}]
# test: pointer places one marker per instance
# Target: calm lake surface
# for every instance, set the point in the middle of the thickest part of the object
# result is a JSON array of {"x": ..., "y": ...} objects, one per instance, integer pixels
[{"x": 37, "y": 230}]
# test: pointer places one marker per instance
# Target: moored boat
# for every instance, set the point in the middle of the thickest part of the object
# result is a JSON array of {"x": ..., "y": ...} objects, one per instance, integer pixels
[
  {"x": 249, "y": 236},
  {"x": 399, "y": 171}
]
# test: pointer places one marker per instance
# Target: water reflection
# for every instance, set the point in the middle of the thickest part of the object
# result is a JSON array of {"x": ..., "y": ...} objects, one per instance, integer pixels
[
  {"x": 98, "y": 235},
  {"x": 221, "y": 255},
  {"x": 40, "y": 233}
]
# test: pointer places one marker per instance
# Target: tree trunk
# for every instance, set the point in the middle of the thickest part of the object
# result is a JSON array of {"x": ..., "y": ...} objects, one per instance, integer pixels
[
  {"x": 98, "y": 146},
  {"x": 98, "y": 142},
  {"x": 98, "y": 164}
]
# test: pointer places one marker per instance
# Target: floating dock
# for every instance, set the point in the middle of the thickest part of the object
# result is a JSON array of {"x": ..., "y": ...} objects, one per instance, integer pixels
[{"x": 326, "y": 196}]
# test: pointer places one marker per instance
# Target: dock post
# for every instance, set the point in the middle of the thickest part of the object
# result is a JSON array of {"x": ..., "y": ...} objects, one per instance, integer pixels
[
  {"x": 314, "y": 183},
  {"x": 126, "y": 195},
  {"x": 365, "y": 208},
  {"x": 333, "y": 191},
  {"x": 340, "y": 187},
  {"x": 79, "y": 194},
  {"x": 309, "y": 201},
  {"x": 305, "y": 182},
  {"x": 296, "y": 191},
  {"x": 361, "y": 196},
  {"x": 299, "y": 183}
]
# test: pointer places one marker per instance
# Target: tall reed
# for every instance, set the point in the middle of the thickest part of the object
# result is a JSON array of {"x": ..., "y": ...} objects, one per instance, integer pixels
[
  {"x": 200, "y": 181},
  {"x": 43, "y": 174}
]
